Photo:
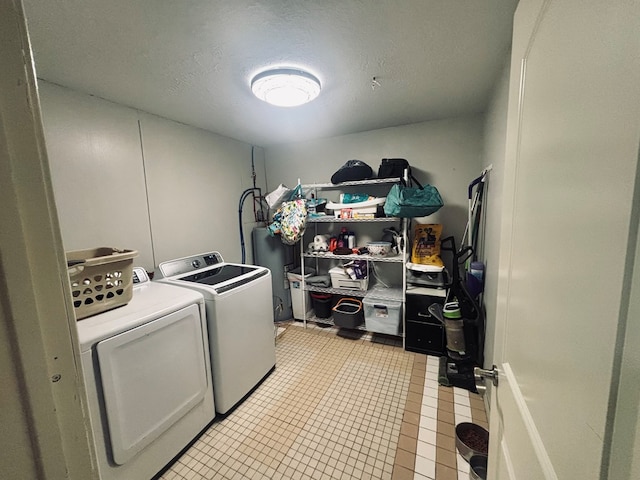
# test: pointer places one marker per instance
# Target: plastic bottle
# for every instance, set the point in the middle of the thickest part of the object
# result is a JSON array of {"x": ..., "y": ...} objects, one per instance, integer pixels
[
  {"x": 343, "y": 238},
  {"x": 475, "y": 278},
  {"x": 311, "y": 205},
  {"x": 352, "y": 240},
  {"x": 477, "y": 270}
]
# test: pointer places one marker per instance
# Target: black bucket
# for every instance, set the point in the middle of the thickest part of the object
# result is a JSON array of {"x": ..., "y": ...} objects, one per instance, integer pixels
[
  {"x": 321, "y": 304},
  {"x": 348, "y": 313}
]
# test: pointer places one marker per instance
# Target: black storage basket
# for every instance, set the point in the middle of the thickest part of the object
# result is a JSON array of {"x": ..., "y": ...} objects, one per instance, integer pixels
[{"x": 348, "y": 313}]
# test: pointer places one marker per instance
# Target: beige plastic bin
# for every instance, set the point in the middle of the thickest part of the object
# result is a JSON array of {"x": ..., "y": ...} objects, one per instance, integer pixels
[{"x": 101, "y": 279}]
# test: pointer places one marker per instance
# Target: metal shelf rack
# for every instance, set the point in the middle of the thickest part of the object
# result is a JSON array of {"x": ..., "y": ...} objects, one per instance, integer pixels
[{"x": 315, "y": 220}]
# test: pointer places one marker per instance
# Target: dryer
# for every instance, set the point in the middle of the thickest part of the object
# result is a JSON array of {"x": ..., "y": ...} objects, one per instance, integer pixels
[
  {"x": 147, "y": 373},
  {"x": 239, "y": 307}
]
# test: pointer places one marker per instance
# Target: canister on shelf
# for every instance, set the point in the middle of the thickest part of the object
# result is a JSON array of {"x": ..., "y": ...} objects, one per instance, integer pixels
[
  {"x": 352, "y": 240},
  {"x": 343, "y": 239}
]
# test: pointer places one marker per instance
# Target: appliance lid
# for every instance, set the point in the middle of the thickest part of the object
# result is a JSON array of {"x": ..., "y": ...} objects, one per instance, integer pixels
[
  {"x": 150, "y": 301},
  {"x": 218, "y": 275}
]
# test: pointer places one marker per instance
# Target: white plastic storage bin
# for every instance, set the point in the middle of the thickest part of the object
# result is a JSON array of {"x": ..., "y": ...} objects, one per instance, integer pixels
[
  {"x": 383, "y": 310},
  {"x": 295, "y": 287},
  {"x": 339, "y": 279}
]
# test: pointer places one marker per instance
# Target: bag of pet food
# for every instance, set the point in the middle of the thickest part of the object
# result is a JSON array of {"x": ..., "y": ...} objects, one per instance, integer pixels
[{"x": 426, "y": 244}]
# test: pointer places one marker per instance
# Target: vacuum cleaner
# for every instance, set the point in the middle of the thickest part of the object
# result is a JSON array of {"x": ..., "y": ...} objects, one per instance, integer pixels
[
  {"x": 462, "y": 315},
  {"x": 464, "y": 324}
]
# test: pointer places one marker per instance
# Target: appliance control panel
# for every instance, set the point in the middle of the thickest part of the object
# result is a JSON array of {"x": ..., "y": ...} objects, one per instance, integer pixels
[
  {"x": 189, "y": 264},
  {"x": 140, "y": 276},
  {"x": 212, "y": 258}
]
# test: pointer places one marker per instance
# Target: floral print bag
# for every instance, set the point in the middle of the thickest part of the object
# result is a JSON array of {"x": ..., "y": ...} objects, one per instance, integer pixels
[
  {"x": 290, "y": 219},
  {"x": 293, "y": 221}
]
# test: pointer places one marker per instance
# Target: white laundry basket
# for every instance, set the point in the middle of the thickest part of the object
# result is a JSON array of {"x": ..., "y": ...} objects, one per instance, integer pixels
[{"x": 295, "y": 287}]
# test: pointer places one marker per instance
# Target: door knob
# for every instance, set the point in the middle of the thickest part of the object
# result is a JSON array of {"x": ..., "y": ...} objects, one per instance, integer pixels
[{"x": 480, "y": 375}]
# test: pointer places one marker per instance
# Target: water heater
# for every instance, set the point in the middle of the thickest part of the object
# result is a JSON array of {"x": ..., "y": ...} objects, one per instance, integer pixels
[{"x": 270, "y": 252}]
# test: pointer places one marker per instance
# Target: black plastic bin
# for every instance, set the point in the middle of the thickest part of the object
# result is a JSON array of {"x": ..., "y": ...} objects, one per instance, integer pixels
[
  {"x": 348, "y": 313},
  {"x": 321, "y": 304}
]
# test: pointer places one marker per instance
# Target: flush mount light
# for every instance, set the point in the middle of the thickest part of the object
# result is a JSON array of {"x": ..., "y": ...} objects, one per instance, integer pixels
[{"x": 285, "y": 87}]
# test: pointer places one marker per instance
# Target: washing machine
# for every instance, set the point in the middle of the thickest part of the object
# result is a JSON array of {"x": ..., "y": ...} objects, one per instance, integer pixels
[
  {"x": 238, "y": 301},
  {"x": 147, "y": 373}
]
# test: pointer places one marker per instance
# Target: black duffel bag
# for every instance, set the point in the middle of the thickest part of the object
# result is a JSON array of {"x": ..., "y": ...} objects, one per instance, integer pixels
[
  {"x": 353, "y": 170},
  {"x": 392, "y": 168}
]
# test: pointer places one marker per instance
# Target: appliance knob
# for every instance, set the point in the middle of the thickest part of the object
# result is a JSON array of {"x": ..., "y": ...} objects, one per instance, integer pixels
[{"x": 195, "y": 263}]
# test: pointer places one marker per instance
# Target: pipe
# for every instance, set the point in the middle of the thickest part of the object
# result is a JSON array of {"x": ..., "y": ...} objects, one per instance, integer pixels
[{"x": 243, "y": 197}]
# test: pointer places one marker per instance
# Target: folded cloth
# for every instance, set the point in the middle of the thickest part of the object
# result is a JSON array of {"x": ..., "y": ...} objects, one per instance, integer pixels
[
  {"x": 319, "y": 280},
  {"x": 419, "y": 267},
  {"x": 371, "y": 202}
]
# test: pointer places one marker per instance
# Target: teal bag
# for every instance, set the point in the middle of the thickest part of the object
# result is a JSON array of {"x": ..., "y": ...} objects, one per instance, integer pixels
[{"x": 408, "y": 202}]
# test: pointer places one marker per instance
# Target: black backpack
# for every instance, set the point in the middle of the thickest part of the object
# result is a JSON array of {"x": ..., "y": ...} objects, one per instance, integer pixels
[{"x": 392, "y": 167}]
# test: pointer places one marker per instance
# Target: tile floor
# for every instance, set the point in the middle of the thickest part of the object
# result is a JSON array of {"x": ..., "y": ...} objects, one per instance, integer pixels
[{"x": 340, "y": 405}]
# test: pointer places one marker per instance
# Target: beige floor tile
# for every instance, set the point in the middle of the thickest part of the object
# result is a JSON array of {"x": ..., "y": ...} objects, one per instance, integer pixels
[
  {"x": 445, "y": 406},
  {"x": 420, "y": 360},
  {"x": 447, "y": 417},
  {"x": 409, "y": 430},
  {"x": 405, "y": 459},
  {"x": 411, "y": 417},
  {"x": 446, "y": 457},
  {"x": 339, "y": 405},
  {"x": 414, "y": 397},
  {"x": 413, "y": 406},
  {"x": 444, "y": 472},
  {"x": 446, "y": 393},
  {"x": 402, "y": 473},
  {"x": 418, "y": 384},
  {"x": 445, "y": 442},
  {"x": 407, "y": 443},
  {"x": 416, "y": 388},
  {"x": 446, "y": 428},
  {"x": 484, "y": 425},
  {"x": 478, "y": 414}
]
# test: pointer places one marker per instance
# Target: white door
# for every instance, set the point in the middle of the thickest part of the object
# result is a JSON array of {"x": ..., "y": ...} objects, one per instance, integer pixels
[
  {"x": 151, "y": 377},
  {"x": 571, "y": 161}
]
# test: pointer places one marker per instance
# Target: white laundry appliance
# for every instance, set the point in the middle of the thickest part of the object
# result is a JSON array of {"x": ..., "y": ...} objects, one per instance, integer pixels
[
  {"x": 238, "y": 301},
  {"x": 148, "y": 378}
]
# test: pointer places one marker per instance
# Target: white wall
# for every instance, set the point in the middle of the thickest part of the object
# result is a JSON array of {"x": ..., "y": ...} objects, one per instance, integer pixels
[
  {"x": 102, "y": 170},
  {"x": 195, "y": 179},
  {"x": 494, "y": 154},
  {"x": 98, "y": 178},
  {"x": 446, "y": 153}
]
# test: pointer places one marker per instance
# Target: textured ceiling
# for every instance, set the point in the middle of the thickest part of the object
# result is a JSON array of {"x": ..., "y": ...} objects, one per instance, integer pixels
[{"x": 193, "y": 60}]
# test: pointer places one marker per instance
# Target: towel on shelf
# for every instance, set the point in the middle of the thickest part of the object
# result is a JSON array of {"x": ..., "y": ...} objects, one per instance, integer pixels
[{"x": 319, "y": 280}]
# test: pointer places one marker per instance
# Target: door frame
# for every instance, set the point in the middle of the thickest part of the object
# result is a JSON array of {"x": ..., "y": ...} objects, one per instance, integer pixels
[
  {"x": 49, "y": 410},
  {"x": 621, "y": 457}
]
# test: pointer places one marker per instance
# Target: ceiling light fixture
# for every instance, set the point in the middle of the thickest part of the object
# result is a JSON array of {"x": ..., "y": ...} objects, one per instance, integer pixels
[{"x": 285, "y": 87}]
